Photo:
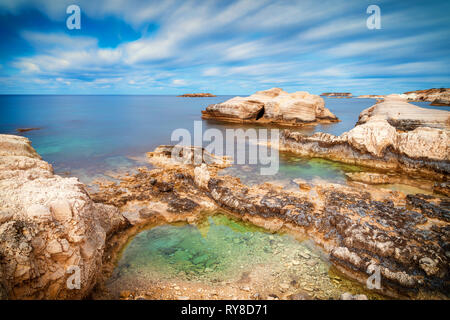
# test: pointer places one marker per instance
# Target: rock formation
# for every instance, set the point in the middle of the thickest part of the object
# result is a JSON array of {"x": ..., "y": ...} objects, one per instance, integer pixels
[
  {"x": 337, "y": 94},
  {"x": 437, "y": 97},
  {"x": 371, "y": 96},
  {"x": 49, "y": 227},
  {"x": 391, "y": 135},
  {"x": 272, "y": 106},
  {"x": 406, "y": 237}
]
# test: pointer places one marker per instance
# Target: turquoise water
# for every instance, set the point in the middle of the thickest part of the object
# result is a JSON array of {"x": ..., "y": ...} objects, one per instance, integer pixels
[
  {"x": 216, "y": 247},
  {"x": 86, "y": 136},
  {"x": 291, "y": 167},
  {"x": 220, "y": 251}
]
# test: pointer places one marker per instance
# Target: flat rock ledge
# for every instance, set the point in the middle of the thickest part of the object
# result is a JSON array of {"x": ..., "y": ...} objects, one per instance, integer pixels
[
  {"x": 390, "y": 135},
  {"x": 272, "y": 106},
  {"x": 49, "y": 228},
  {"x": 406, "y": 237}
]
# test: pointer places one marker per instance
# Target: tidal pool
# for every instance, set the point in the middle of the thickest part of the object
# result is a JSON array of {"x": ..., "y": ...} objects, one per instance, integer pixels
[
  {"x": 291, "y": 167},
  {"x": 228, "y": 256}
]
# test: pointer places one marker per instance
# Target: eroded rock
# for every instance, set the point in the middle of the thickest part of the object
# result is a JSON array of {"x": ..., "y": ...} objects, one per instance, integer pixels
[
  {"x": 51, "y": 221},
  {"x": 405, "y": 236},
  {"x": 272, "y": 106},
  {"x": 392, "y": 135}
]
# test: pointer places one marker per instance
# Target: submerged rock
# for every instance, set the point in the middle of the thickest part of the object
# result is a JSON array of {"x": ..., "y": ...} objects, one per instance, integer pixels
[
  {"x": 50, "y": 227},
  {"x": 272, "y": 106}
]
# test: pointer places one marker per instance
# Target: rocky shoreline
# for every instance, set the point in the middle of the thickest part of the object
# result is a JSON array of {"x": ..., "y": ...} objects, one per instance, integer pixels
[
  {"x": 273, "y": 106},
  {"x": 357, "y": 227},
  {"x": 50, "y": 224},
  {"x": 437, "y": 97},
  {"x": 391, "y": 135}
]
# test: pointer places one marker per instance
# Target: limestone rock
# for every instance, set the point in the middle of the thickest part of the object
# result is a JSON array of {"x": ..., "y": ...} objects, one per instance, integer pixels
[
  {"x": 349, "y": 296},
  {"x": 358, "y": 227},
  {"x": 390, "y": 135},
  {"x": 437, "y": 96},
  {"x": 51, "y": 222},
  {"x": 272, "y": 106}
]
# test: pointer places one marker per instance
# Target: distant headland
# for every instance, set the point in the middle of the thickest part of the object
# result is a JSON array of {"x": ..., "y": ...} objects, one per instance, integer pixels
[{"x": 197, "y": 95}]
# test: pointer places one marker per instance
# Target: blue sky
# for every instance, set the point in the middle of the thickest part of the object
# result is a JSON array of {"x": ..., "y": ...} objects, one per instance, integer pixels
[{"x": 223, "y": 47}]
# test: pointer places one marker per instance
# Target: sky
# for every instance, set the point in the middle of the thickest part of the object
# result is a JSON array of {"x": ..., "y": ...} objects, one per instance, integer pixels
[{"x": 223, "y": 47}]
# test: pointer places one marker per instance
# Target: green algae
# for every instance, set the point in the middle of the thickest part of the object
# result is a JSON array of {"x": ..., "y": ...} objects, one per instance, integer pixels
[{"x": 220, "y": 249}]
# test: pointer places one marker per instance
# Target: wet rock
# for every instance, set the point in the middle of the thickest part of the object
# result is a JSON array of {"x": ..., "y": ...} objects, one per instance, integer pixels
[{"x": 182, "y": 205}]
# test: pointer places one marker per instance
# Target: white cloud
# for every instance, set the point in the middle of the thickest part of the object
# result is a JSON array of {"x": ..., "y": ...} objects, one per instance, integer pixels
[{"x": 179, "y": 82}]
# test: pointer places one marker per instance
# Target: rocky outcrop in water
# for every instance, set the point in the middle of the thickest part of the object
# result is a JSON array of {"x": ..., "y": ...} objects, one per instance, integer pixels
[
  {"x": 391, "y": 135},
  {"x": 370, "y": 96},
  {"x": 337, "y": 94},
  {"x": 272, "y": 106},
  {"x": 197, "y": 95},
  {"x": 49, "y": 227},
  {"x": 437, "y": 96},
  {"x": 405, "y": 237}
]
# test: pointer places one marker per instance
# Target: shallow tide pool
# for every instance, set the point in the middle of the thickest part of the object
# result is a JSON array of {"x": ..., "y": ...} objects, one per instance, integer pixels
[{"x": 221, "y": 251}]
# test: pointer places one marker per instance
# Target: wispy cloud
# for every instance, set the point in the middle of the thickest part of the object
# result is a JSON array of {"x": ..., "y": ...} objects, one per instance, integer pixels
[{"x": 225, "y": 46}]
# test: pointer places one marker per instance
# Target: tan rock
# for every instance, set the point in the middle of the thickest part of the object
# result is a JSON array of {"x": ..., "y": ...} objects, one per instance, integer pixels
[
  {"x": 389, "y": 135},
  {"x": 53, "y": 247},
  {"x": 61, "y": 210},
  {"x": 48, "y": 220},
  {"x": 272, "y": 106},
  {"x": 437, "y": 96},
  {"x": 38, "y": 211}
]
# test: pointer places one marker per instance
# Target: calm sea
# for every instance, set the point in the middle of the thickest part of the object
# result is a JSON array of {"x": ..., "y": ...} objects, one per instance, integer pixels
[{"x": 86, "y": 136}]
